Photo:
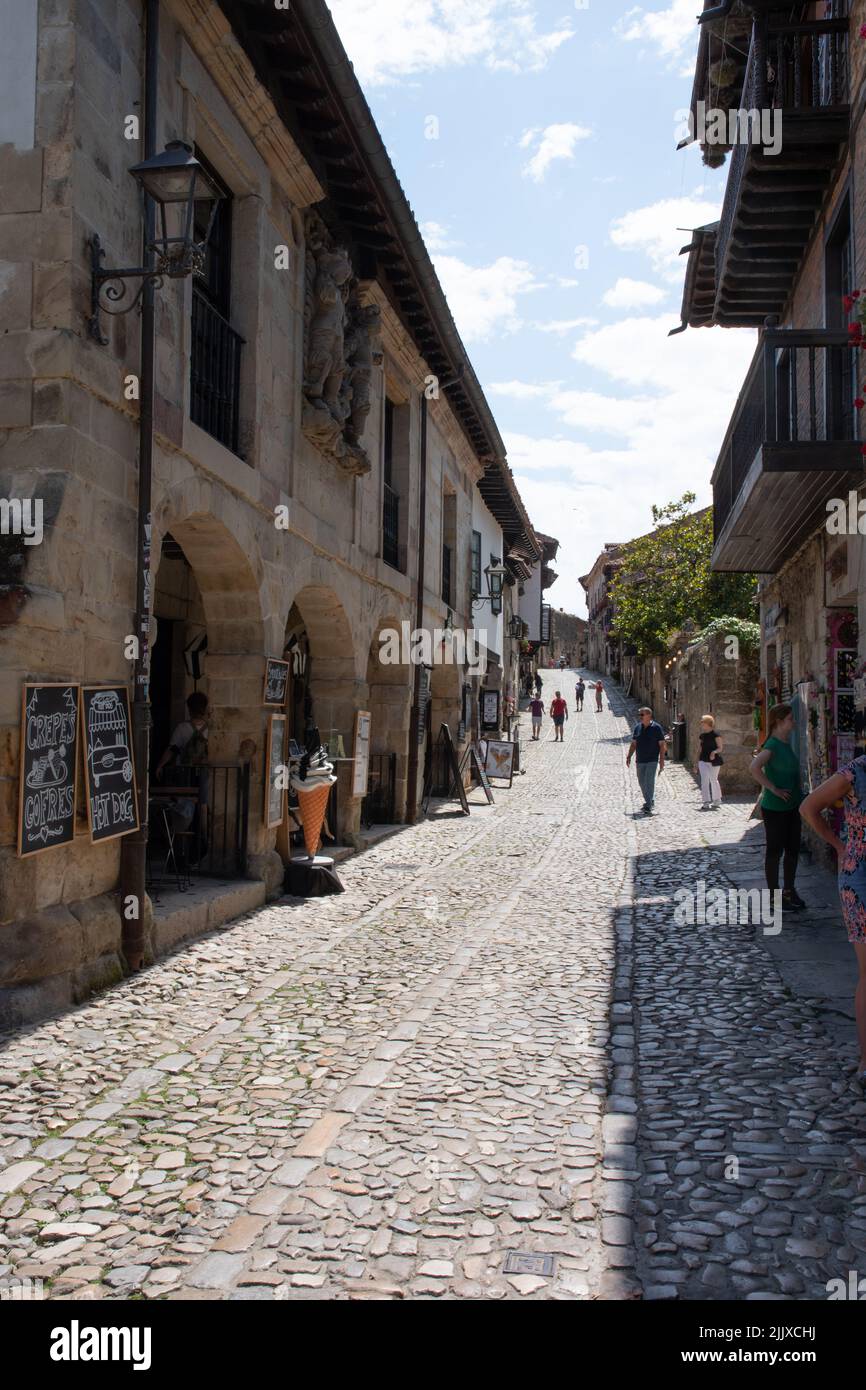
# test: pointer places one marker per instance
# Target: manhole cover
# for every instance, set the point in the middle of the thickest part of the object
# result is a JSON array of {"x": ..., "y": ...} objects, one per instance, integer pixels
[{"x": 518, "y": 1263}]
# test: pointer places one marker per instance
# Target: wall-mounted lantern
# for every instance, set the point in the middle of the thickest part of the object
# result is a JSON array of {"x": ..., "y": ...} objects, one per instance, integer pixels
[{"x": 176, "y": 181}]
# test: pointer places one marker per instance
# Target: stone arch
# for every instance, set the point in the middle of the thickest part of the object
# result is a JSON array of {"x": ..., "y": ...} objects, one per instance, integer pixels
[
  {"x": 336, "y": 690},
  {"x": 389, "y": 699},
  {"x": 218, "y": 541}
]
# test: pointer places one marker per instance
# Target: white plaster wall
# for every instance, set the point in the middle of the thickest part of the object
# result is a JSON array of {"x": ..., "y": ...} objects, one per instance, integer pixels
[{"x": 488, "y": 627}]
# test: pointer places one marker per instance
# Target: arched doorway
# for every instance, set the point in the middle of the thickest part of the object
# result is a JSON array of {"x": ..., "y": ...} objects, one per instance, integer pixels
[
  {"x": 325, "y": 692},
  {"x": 389, "y": 700},
  {"x": 208, "y": 635}
]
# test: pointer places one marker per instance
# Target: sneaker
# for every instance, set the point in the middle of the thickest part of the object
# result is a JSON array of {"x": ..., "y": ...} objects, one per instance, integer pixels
[
  {"x": 791, "y": 898},
  {"x": 705, "y": 806},
  {"x": 715, "y": 805}
]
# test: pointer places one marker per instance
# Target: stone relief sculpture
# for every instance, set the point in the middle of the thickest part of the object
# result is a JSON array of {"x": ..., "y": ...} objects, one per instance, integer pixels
[{"x": 341, "y": 347}]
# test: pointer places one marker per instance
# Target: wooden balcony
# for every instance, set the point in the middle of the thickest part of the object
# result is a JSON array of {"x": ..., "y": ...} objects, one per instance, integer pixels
[
  {"x": 790, "y": 446},
  {"x": 798, "y": 74}
]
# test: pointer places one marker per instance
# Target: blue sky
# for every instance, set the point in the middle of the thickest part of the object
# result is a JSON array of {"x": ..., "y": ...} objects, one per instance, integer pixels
[{"x": 536, "y": 142}]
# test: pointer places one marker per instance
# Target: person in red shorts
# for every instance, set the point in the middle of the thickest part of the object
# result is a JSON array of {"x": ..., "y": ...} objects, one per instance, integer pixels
[{"x": 559, "y": 714}]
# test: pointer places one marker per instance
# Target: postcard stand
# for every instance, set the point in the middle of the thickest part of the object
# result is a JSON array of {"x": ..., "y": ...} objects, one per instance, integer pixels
[{"x": 456, "y": 789}]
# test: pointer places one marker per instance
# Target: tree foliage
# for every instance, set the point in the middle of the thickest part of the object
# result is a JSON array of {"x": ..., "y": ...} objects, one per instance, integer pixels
[{"x": 665, "y": 580}]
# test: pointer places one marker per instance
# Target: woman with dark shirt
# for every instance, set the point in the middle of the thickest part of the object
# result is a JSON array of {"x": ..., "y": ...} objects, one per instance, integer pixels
[{"x": 777, "y": 770}]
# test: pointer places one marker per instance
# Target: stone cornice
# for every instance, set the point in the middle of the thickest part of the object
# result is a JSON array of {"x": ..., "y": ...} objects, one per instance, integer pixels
[{"x": 211, "y": 36}]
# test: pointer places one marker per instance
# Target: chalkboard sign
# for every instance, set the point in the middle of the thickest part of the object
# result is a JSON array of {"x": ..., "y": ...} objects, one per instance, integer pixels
[
  {"x": 49, "y": 759},
  {"x": 109, "y": 773},
  {"x": 275, "y": 760},
  {"x": 276, "y": 682}
]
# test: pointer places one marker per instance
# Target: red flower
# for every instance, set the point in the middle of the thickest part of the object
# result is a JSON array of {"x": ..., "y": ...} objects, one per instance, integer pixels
[
  {"x": 848, "y": 302},
  {"x": 863, "y": 31},
  {"x": 855, "y": 294},
  {"x": 863, "y": 449},
  {"x": 859, "y": 403}
]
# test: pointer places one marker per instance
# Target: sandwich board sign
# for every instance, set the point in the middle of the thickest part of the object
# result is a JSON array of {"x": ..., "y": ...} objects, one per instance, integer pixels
[
  {"x": 48, "y": 766},
  {"x": 109, "y": 773}
]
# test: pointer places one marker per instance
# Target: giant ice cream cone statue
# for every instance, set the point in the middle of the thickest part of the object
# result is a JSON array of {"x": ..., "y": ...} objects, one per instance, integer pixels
[
  {"x": 312, "y": 802},
  {"x": 312, "y": 791}
]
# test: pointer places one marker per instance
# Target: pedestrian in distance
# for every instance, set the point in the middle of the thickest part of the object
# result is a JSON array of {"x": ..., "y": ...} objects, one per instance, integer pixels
[
  {"x": 536, "y": 709},
  {"x": 709, "y": 761},
  {"x": 776, "y": 768},
  {"x": 599, "y": 695},
  {"x": 649, "y": 749},
  {"x": 559, "y": 714},
  {"x": 579, "y": 692},
  {"x": 538, "y": 682},
  {"x": 848, "y": 785}
]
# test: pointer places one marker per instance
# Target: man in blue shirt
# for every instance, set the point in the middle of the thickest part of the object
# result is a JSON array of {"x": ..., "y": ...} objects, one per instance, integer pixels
[{"x": 649, "y": 747}]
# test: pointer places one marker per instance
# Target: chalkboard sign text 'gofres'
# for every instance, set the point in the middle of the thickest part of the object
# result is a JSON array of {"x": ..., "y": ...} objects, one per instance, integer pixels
[
  {"x": 49, "y": 753},
  {"x": 112, "y": 806}
]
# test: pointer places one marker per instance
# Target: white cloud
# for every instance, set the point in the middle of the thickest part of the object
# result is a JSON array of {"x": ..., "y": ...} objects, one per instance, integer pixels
[
  {"x": 388, "y": 40},
  {"x": 632, "y": 294},
  {"x": 436, "y": 237},
  {"x": 521, "y": 390},
  {"x": 648, "y": 431},
  {"x": 657, "y": 230},
  {"x": 553, "y": 142},
  {"x": 562, "y": 326},
  {"x": 672, "y": 32},
  {"x": 484, "y": 298}
]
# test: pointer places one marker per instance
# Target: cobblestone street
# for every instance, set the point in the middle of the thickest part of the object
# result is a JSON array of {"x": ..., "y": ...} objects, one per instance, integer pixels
[{"x": 383, "y": 1093}]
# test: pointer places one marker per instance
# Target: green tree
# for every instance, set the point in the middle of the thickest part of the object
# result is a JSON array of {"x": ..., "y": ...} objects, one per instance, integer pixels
[{"x": 665, "y": 579}]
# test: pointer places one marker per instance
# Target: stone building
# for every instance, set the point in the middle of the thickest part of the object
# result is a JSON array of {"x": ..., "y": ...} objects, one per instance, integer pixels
[
  {"x": 602, "y": 649},
  {"x": 568, "y": 638},
  {"x": 789, "y": 247},
  {"x": 321, "y": 448}
]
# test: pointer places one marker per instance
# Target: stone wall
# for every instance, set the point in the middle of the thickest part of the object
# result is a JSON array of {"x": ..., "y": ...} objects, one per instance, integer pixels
[
  {"x": 710, "y": 683},
  {"x": 69, "y": 435}
]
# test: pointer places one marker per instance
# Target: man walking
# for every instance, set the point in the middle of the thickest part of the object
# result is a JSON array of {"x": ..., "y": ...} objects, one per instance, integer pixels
[
  {"x": 599, "y": 692},
  {"x": 649, "y": 748},
  {"x": 559, "y": 714},
  {"x": 536, "y": 709},
  {"x": 579, "y": 692}
]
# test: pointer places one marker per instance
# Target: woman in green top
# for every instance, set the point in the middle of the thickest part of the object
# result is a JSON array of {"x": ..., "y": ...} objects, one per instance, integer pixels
[{"x": 777, "y": 769}]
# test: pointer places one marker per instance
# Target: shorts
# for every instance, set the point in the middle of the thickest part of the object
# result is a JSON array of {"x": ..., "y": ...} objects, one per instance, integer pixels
[
  {"x": 559, "y": 721},
  {"x": 536, "y": 725}
]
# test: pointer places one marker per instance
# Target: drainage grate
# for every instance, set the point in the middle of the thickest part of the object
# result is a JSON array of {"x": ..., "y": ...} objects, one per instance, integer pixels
[{"x": 517, "y": 1262}]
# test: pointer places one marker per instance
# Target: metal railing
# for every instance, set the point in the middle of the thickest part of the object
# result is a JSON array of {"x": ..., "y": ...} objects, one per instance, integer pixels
[
  {"x": 798, "y": 390},
  {"x": 205, "y": 833},
  {"x": 215, "y": 372},
  {"x": 391, "y": 527},
  {"x": 379, "y": 805}
]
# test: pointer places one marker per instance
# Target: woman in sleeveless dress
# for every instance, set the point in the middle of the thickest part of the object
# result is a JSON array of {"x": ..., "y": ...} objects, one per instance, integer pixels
[{"x": 848, "y": 786}]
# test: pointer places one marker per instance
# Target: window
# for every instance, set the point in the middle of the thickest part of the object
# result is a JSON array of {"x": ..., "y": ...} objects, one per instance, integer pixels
[
  {"x": 395, "y": 488},
  {"x": 475, "y": 564},
  {"x": 449, "y": 532},
  {"x": 215, "y": 357}
]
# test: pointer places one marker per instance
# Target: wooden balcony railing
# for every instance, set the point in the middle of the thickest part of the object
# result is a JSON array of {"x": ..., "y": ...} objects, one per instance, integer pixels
[
  {"x": 795, "y": 411},
  {"x": 797, "y": 75}
]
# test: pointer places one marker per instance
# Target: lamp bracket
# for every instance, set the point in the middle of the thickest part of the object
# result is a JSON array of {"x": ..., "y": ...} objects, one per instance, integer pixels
[{"x": 110, "y": 284}]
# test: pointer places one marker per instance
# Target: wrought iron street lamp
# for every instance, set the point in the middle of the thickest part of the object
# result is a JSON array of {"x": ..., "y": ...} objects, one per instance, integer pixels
[
  {"x": 176, "y": 181},
  {"x": 496, "y": 573}
]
